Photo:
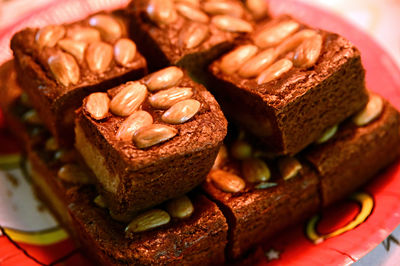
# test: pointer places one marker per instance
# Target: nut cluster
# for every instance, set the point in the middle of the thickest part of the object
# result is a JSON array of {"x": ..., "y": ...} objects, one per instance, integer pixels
[
  {"x": 253, "y": 170},
  {"x": 68, "y": 168},
  {"x": 97, "y": 44},
  {"x": 256, "y": 171},
  {"x": 179, "y": 208},
  {"x": 162, "y": 91},
  {"x": 226, "y": 15},
  {"x": 277, "y": 49}
]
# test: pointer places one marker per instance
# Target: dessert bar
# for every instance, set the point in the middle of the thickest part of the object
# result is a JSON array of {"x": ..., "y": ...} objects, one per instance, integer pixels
[
  {"x": 361, "y": 147},
  {"x": 286, "y": 83},
  {"x": 259, "y": 9},
  {"x": 189, "y": 230},
  {"x": 258, "y": 200},
  {"x": 149, "y": 140},
  {"x": 198, "y": 239},
  {"x": 261, "y": 195},
  {"x": 58, "y": 65},
  {"x": 189, "y": 33}
]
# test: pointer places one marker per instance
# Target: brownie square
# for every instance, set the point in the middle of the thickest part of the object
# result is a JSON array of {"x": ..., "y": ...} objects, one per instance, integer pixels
[
  {"x": 355, "y": 153},
  {"x": 259, "y": 201},
  {"x": 187, "y": 34},
  {"x": 59, "y": 65},
  {"x": 289, "y": 85},
  {"x": 132, "y": 177},
  {"x": 259, "y": 209},
  {"x": 200, "y": 238}
]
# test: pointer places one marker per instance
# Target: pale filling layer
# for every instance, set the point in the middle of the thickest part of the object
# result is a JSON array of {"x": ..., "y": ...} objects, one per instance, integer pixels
[{"x": 96, "y": 161}]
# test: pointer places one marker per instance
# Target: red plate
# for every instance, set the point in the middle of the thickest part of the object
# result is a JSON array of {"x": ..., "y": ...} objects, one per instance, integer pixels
[{"x": 371, "y": 214}]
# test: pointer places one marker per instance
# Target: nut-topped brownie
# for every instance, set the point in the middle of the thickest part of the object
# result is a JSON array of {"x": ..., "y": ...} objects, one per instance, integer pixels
[
  {"x": 58, "y": 65},
  {"x": 192, "y": 228},
  {"x": 261, "y": 194},
  {"x": 197, "y": 239},
  {"x": 259, "y": 197},
  {"x": 189, "y": 33},
  {"x": 362, "y": 146},
  {"x": 186, "y": 230},
  {"x": 150, "y": 140},
  {"x": 287, "y": 83}
]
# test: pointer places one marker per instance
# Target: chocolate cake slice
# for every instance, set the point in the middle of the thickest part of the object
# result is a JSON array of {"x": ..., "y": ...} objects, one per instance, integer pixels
[
  {"x": 260, "y": 195},
  {"x": 58, "y": 65},
  {"x": 149, "y": 140},
  {"x": 361, "y": 147},
  {"x": 189, "y": 33},
  {"x": 186, "y": 230},
  {"x": 259, "y": 200},
  {"x": 286, "y": 83},
  {"x": 175, "y": 233},
  {"x": 199, "y": 239}
]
